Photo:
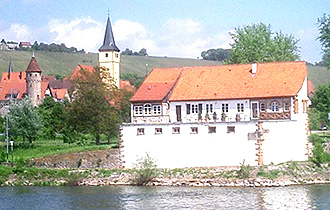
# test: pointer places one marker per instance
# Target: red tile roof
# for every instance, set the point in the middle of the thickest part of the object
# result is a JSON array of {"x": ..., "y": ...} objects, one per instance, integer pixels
[
  {"x": 59, "y": 93},
  {"x": 33, "y": 66},
  {"x": 310, "y": 87},
  {"x": 226, "y": 82},
  {"x": 124, "y": 84},
  {"x": 76, "y": 73},
  {"x": 157, "y": 85}
]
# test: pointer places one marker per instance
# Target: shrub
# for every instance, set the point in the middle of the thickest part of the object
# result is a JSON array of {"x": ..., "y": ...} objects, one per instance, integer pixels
[
  {"x": 144, "y": 171},
  {"x": 244, "y": 171},
  {"x": 319, "y": 155}
]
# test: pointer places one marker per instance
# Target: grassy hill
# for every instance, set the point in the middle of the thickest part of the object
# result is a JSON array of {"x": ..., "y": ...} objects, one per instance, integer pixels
[{"x": 55, "y": 63}]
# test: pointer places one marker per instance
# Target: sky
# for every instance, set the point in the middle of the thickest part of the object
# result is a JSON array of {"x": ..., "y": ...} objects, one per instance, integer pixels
[{"x": 165, "y": 28}]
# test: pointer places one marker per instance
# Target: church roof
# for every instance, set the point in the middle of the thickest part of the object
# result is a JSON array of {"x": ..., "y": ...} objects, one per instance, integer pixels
[
  {"x": 33, "y": 66},
  {"x": 109, "y": 41}
]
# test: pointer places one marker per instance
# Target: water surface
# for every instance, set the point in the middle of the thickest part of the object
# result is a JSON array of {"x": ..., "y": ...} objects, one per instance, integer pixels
[{"x": 128, "y": 197}]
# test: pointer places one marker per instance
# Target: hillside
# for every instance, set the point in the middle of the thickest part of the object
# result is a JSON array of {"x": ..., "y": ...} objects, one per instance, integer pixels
[{"x": 56, "y": 63}]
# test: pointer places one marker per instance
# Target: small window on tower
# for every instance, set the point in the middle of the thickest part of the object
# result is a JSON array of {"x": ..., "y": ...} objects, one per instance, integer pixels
[
  {"x": 116, "y": 55},
  {"x": 106, "y": 55}
]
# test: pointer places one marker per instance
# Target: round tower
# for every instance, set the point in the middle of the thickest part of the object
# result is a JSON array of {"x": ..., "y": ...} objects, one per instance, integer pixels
[
  {"x": 33, "y": 82},
  {"x": 109, "y": 57}
]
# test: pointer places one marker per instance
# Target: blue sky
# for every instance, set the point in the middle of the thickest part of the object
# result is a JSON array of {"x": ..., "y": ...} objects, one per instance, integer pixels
[{"x": 165, "y": 28}]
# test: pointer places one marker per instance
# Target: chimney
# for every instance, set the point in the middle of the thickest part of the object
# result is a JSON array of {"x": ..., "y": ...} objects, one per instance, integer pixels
[{"x": 254, "y": 68}]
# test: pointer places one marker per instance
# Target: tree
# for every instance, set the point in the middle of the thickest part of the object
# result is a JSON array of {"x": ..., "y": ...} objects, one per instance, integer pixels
[
  {"x": 24, "y": 120},
  {"x": 216, "y": 54},
  {"x": 324, "y": 38},
  {"x": 53, "y": 117},
  {"x": 92, "y": 110},
  {"x": 321, "y": 102},
  {"x": 257, "y": 43}
]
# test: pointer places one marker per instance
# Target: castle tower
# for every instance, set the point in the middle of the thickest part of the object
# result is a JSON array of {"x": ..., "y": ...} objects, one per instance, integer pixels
[
  {"x": 33, "y": 81},
  {"x": 109, "y": 57}
]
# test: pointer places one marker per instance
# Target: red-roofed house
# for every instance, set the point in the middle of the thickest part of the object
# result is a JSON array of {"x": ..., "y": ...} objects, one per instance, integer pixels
[
  {"x": 199, "y": 109},
  {"x": 15, "y": 86}
]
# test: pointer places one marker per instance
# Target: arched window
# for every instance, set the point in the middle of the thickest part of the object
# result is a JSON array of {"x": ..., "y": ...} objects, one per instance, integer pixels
[
  {"x": 147, "y": 109},
  {"x": 275, "y": 106}
]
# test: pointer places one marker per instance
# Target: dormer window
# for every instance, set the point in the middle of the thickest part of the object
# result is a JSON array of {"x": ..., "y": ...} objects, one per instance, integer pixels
[{"x": 147, "y": 109}]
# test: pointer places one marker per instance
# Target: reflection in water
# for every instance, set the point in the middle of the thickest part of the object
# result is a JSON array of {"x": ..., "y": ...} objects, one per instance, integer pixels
[{"x": 127, "y": 197}]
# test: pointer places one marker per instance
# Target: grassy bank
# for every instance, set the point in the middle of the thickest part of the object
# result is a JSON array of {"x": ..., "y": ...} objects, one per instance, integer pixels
[
  {"x": 271, "y": 175},
  {"x": 24, "y": 151}
]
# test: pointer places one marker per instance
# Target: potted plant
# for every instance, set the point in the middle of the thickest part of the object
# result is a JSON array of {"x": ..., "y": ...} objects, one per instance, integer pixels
[
  {"x": 214, "y": 116},
  {"x": 238, "y": 117},
  {"x": 200, "y": 117},
  {"x": 223, "y": 117},
  {"x": 207, "y": 117}
]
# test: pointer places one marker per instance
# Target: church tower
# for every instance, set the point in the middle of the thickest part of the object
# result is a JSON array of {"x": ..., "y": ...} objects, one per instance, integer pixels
[
  {"x": 109, "y": 57},
  {"x": 33, "y": 82}
]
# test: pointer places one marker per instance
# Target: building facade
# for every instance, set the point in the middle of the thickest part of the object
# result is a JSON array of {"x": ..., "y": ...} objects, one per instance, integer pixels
[{"x": 207, "y": 116}]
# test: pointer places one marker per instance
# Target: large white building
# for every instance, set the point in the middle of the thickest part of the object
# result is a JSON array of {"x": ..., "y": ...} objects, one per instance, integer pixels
[{"x": 207, "y": 116}]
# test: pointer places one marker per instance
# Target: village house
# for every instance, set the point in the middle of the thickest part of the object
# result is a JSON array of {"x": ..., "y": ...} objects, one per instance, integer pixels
[
  {"x": 14, "y": 86},
  {"x": 207, "y": 116}
]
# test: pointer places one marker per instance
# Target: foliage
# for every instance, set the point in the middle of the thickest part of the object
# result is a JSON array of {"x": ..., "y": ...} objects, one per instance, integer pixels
[
  {"x": 125, "y": 105},
  {"x": 216, "y": 54},
  {"x": 315, "y": 119},
  {"x": 53, "y": 117},
  {"x": 142, "y": 52},
  {"x": 245, "y": 171},
  {"x": 24, "y": 120},
  {"x": 145, "y": 170},
  {"x": 52, "y": 48},
  {"x": 272, "y": 174},
  {"x": 324, "y": 38},
  {"x": 257, "y": 43},
  {"x": 133, "y": 78},
  {"x": 319, "y": 155},
  {"x": 92, "y": 109},
  {"x": 321, "y": 98}
]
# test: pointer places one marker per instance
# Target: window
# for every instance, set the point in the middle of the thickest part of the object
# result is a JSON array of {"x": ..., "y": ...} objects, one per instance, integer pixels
[
  {"x": 296, "y": 106},
  {"x": 188, "y": 108},
  {"x": 274, "y": 106},
  {"x": 304, "y": 102},
  {"x": 106, "y": 55},
  {"x": 230, "y": 129},
  {"x": 286, "y": 106},
  {"x": 140, "y": 131},
  {"x": 157, "y": 109},
  {"x": 176, "y": 130},
  {"x": 212, "y": 129},
  {"x": 194, "y": 130},
  {"x": 262, "y": 106},
  {"x": 240, "y": 107},
  {"x": 138, "y": 110},
  {"x": 225, "y": 107},
  {"x": 194, "y": 108},
  {"x": 147, "y": 109},
  {"x": 158, "y": 131},
  {"x": 209, "y": 108},
  {"x": 116, "y": 55}
]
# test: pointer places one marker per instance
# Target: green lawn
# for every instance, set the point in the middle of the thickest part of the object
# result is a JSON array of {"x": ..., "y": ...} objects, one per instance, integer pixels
[{"x": 41, "y": 148}]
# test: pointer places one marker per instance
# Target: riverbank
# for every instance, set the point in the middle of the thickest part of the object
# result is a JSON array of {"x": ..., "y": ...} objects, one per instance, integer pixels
[{"x": 285, "y": 174}]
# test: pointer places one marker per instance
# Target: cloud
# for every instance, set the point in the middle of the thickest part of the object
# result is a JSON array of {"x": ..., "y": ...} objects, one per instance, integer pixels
[
  {"x": 17, "y": 32},
  {"x": 84, "y": 33}
]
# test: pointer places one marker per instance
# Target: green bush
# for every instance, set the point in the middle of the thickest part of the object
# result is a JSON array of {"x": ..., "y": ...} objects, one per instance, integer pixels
[
  {"x": 144, "y": 171},
  {"x": 319, "y": 155},
  {"x": 245, "y": 171}
]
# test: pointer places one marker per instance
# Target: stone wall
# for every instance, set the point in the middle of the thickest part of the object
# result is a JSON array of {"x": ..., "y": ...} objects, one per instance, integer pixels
[{"x": 108, "y": 158}]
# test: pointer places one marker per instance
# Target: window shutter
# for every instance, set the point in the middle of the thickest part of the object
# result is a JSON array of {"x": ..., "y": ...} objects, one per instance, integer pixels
[{"x": 188, "y": 108}]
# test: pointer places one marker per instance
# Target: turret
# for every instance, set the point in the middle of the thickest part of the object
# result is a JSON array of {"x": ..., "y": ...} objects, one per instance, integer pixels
[
  {"x": 33, "y": 81},
  {"x": 109, "y": 57}
]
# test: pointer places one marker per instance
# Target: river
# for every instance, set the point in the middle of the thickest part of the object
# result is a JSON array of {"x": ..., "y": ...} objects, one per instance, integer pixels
[{"x": 128, "y": 197}]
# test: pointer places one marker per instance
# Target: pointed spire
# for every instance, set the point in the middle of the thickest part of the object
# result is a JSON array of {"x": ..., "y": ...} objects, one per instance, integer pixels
[
  {"x": 10, "y": 69},
  {"x": 33, "y": 65},
  {"x": 109, "y": 41}
]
